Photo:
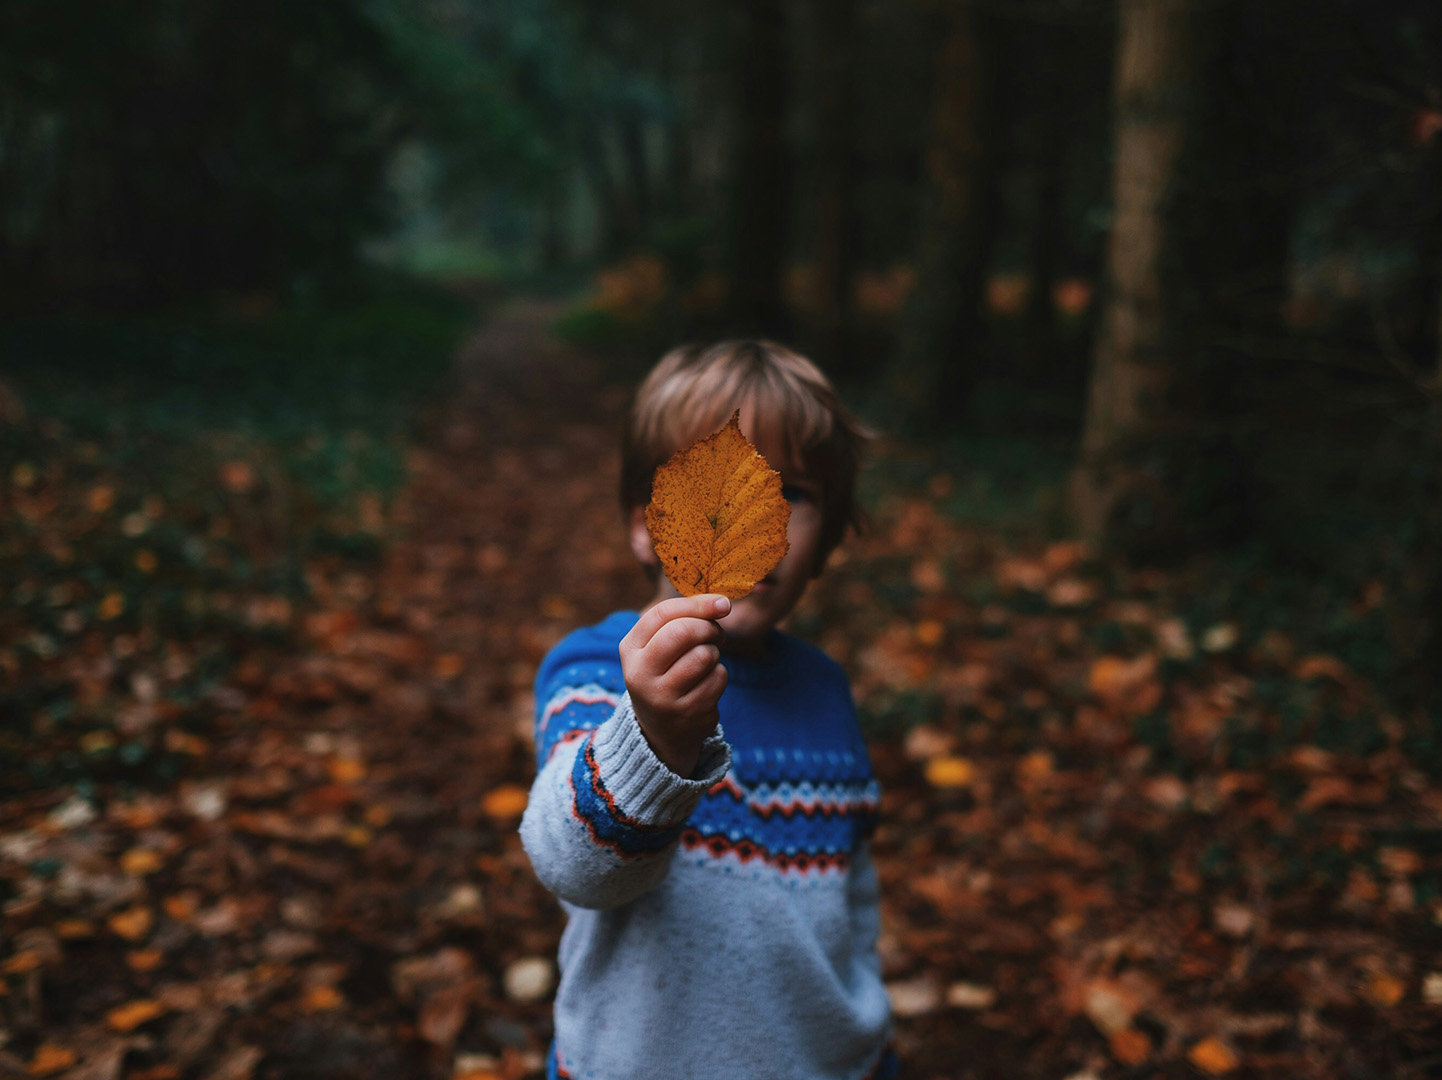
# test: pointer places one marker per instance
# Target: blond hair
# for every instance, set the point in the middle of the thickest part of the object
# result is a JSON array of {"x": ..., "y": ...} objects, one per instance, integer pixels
[{"x": 695, "y": 388}]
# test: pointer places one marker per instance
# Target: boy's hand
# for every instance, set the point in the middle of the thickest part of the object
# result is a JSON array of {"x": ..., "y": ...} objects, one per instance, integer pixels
[{"x": 671, "y": 663}]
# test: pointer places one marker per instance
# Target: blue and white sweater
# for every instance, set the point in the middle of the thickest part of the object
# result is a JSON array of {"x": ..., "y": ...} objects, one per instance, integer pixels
[{"x": 723, "y": 926}]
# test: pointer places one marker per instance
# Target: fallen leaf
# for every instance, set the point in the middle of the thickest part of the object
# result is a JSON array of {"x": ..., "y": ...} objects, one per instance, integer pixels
[
  {"x": 924, "y": 741},
  {"x": 1071, "y": 593},
  {"x": 50, "y": 1058},
  {"x": 237, "y": 477},
  {"x": 1166, "y": 791},
  {"x": 1130, "y": 1046},
  {"x": 1400, "y": 862},
  {"x": 914, "y": 997},
  {"x": 139, "y": 861},
  {"x": 965, "y": 995},
  {"x": 1109, "y": 1005},
  {"x": 1037, "y": 767},
  {"x": 144, "y": 959},
  {"x": 1126, "y": 685},
  {"x": 1234, "y": 920},
  {"x": 238, "y": 1064},
  {"x": 445, "y": 1012},
  {"x": 180, "y": 907},
  {"x": 1211, "y": 1055},
  {"x": 930, "y": 632},
  {"x": 529, "y": 979},
  {"x": 950, "y": 772},
  {"x": 505, "y": 801},
  {"x": 321, "y": 999},
  {"x": 347, "y": 770},
  {"x": 21, "y": 963},
  {"x": 717, "y": 517},
  {"x": 130, "y": 1016},
  {"x": 1385, "y": 989},
  {"x": 133, "y": 923},
  {"x": 1221, "y": 637},
  {"x": 1432, "y": 988}
]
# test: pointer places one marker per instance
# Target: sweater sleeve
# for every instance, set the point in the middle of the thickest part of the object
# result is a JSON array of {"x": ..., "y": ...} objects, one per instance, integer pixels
[{"x": 605, "y": 813}]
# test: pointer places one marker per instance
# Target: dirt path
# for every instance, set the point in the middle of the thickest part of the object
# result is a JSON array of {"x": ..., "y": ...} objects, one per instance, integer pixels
[{"x": 419, "y": 694}]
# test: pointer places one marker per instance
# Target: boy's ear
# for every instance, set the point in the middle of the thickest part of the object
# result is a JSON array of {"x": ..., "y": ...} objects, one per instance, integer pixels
[{"x": 640, "y": 538}]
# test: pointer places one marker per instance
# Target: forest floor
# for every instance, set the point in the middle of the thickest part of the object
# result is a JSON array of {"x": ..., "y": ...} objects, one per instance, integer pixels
[{"x": 1117, "y": 839}]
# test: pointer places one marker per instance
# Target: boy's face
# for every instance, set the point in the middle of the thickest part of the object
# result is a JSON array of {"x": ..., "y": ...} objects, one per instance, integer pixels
[{"x": 778, "y": 592}]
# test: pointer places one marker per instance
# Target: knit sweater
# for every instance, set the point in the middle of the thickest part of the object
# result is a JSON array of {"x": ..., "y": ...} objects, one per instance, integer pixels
[{"x": 720, "y": 926}]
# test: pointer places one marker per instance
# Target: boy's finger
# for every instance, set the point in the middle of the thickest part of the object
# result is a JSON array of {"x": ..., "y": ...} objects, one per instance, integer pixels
[
  {"x": 706, "y": 693},
  {"x": 704, "y": 606},
  {"x": 690, "y": 668},
  {"x": 673, "y": 640}
]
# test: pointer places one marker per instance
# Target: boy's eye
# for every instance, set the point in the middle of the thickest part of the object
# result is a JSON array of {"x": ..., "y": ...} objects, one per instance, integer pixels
[{"x": 794, "y": 494}]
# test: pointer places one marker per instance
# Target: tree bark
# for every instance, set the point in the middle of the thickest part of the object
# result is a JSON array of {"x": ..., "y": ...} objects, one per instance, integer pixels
[
  {"x": 1129, "y": 400},
  {"x": 835, "y": 190},
  {"x": 933, "y": 373},
  {"x": 762, "y": 204}
]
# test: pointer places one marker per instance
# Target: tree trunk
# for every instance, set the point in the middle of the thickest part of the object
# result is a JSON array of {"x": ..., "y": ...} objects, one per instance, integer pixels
[
  {"x": 638, "y": 169},
  {"x": 835, "y": 189},
  {"x": 762, "y": 207},
  {"x": 1129, "y": 401},
  {"x": 616, "y": 224},
  {"x": 934, "y": 371}
]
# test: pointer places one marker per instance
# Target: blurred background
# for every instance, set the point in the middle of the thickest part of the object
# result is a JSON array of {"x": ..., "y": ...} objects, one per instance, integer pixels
[{"x": 317, "y": 322}]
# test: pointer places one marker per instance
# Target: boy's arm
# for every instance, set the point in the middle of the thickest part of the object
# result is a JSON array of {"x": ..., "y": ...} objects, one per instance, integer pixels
[
  {"x": 605, "y": 813},
  {"x": 605, "y": 810}
]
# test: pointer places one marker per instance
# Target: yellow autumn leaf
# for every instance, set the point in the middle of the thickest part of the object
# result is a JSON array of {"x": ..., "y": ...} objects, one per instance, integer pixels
[
  {"x": 50, "y": 1058},
  {"x": 1211, "y": 1055},
  {"x": 321, "y": 998},
  {"x": 132, "y": 924},
  {"x": 357, "y": 835},
  {"x": 949, "y": 772},
  {"x": 180, "y": 907},
  {"x": 144, "y": 959},
  {"x": 130, "y": 1016},
  {"x": 21, "y": 963},
  {"x": 347, "y": 770},
  {"x": 506, "y": 801},
  {"x": 717, "y": 517},
  {"x": 1130, "y": 1046},
  {"x": 139, "y": 861},
  {"x": 1386, "y": 989}
]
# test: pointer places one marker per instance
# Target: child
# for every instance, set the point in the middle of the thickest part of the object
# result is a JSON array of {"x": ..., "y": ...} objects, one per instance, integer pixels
[{"x": 721, "y": 899}]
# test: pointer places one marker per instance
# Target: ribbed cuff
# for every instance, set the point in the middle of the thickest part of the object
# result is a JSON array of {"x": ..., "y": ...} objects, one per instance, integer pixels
[{"x": 644, "y": 789}]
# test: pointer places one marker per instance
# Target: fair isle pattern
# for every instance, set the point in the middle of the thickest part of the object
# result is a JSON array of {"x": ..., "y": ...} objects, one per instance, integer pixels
[
  {"x": 806, "y": 798},
  {"x": 792, "y": 810},
  {"x": 596, "y": 808},
  {"x": 580, "y": 708}
]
